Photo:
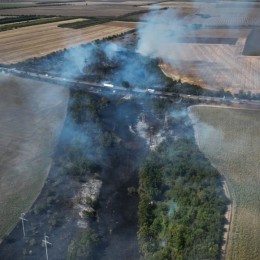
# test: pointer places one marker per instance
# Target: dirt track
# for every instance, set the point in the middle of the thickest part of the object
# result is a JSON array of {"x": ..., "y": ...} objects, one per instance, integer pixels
[{"x": 34, "y": 41}]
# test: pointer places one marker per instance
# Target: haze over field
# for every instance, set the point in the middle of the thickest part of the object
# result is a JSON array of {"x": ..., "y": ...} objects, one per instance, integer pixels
[
  {"x": 206, "y": 57},
  {"x": 130, "y": 130},
  {"x": 31, "y": 118},
  {"x": 230, "y": 139}
]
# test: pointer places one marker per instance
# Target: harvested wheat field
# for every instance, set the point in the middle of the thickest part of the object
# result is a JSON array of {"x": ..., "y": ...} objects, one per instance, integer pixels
[
  {"x": 214, "y": 66},
  {"x": 39, "y": 40},
  {"x": 31, "y": 118},
  {"x": 107, "y": 10},
  {"x": 230, "y": 139}
]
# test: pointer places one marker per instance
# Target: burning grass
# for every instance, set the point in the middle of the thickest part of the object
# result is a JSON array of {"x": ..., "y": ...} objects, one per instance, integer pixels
[{"x": 230, "y": 139}]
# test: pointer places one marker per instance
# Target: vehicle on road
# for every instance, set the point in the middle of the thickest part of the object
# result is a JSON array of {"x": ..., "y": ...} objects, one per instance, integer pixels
[
  {"x": 109, "y": 85},
  {"x": 150, "y": 90}
]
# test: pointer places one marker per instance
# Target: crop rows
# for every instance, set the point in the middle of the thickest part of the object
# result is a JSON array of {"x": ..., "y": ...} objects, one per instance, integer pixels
[
  {"x": 215, "y": 66},
  {"x": 29, "y": 42},
  {"x": 230, "y": 139}
]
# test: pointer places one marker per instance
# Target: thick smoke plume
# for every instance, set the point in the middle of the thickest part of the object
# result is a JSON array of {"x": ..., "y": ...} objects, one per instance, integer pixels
[{"x": 156, "y": 36}]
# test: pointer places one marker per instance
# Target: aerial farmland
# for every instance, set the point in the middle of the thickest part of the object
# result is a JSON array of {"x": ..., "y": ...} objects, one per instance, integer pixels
[
  {"x": 40, "y": 40},
  {"x": 29, "y": 131},
  {"x": 231, "y": 141},
  {"x": 129, "y": 130}
]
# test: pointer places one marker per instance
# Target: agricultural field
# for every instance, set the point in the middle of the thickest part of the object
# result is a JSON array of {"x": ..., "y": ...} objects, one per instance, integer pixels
[
  {"x": 35, "y": 41},
  {"x": 77, "y": 10},
  {"x": 215, "y": 14},
  {"x": 252, "y": 47},
  {"x": 32, "y": 116},
  {"x": 10, "y": 5},
  {"x": 210, "y": 65},
  {"x": 30, "y": 22},
  {"x": 210, "y": 45},
  {"x": 230, "y": 139}
]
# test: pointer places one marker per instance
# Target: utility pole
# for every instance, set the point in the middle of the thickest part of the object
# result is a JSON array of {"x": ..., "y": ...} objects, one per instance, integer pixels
[
  {"x": 165, "y": 125},
  {"x": 143, "y": 118},
  {"x": 151, "y": 135},
  {"x": 23, "y": 219},
  {"x": 46, "y": 245}
]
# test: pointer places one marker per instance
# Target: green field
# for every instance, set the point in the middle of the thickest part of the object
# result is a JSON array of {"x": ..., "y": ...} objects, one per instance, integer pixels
[
  {"x": 84, "y": 24},
  {"x": 15, "y": 5},
  {"x": 39, "y": 21},
  {"x": 230, "y": 138},
  {"x": 32, "y": 115}
]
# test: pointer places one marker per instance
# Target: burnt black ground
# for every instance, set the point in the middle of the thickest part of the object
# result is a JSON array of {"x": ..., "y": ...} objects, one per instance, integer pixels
[
  {"x": 116, "y": 221},
  {"x": 117, "y": 213}
]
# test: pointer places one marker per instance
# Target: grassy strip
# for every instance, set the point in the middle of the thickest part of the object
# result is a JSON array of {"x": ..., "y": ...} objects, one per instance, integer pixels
[
  {"x": 15, "y": 5},
  {"x": 95, "y": 21},
  {"x": 18, "y": 19},
  {"x": 34, "y": 22},
  {"x": 84, "y": 24},
  {"x": 182, "y": 206}
]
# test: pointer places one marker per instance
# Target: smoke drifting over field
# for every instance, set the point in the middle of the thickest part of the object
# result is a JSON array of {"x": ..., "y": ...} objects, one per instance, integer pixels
[
  {"x": 207, "y": 57},
  {"x": 162, "y": 28}
]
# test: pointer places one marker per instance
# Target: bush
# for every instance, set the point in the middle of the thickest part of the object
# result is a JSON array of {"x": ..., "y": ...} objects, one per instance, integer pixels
[{"x": 84, "y": 246}]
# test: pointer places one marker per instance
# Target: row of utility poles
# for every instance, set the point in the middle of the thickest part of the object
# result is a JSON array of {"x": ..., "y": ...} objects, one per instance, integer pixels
[{"x": 45, "y": 241}]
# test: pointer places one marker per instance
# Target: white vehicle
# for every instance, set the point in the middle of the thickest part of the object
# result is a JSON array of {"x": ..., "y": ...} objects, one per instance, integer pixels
[
  {"x": 108, "y": 85},
  {"x": 150, "y": 90},
  {"x": 46, "y": 75}
]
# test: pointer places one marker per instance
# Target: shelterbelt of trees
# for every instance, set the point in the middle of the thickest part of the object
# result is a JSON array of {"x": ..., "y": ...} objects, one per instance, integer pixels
[{"x": 182, "y": 205}]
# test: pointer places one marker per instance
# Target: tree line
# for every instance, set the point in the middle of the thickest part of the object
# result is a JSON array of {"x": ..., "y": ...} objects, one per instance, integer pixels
[{"x": 182, "y": 205}]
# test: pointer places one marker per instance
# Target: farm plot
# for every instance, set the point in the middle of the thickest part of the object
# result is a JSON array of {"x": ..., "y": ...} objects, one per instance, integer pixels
[
  {"x": 35, "y": 41},
  {"x": 213, "y": 66},
  {"x": 217, "y": 15},
  {"x": 76, "y": 10},
  {"x": 31, "y": 117},
  {"x": 228, "y": 17},
  {"x": 230, "y": 139}
]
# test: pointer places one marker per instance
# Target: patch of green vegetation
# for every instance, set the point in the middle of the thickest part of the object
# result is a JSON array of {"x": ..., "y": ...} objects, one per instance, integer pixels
[
  {"x": 15, "y": 5},
  {"x": 17, "y": 19},
  {"x": 84, "y": 246},
  {"x": 86, "y": 23},
  {"x": 182, "y": 205},
  {"x": 33, "y": 22}
]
